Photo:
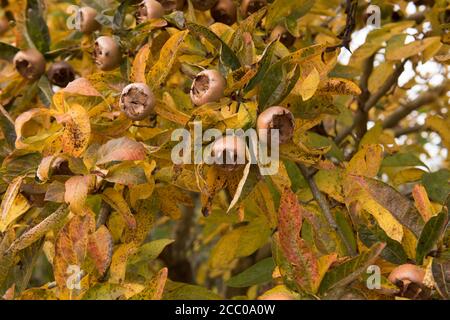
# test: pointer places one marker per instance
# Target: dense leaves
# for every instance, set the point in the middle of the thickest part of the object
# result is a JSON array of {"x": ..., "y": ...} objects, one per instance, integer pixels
[{"x": 94, "y": 206}]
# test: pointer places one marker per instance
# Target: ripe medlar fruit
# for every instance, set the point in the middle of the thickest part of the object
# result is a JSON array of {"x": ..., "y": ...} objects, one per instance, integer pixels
[
  {"x": 107, "y": 55},
  {"x": 409, "y": 278},
  {"x": 285, "y": 37},
  {"x": 251, "y": 6},
  {"x": 208, "y": 86},
  {"x": 86, "y": 20},
  {"x": 203, "y": 5},
  {"x": 61, "y": 73},
  {"x": 30, "y": 63},
  {"x": 149, "y": 9},
  {"x": 276, "y": 118},
  {"x": 224, "y": 12},
  {"x": 137, "y": 101},
  {"x": 229, "y": 152}
]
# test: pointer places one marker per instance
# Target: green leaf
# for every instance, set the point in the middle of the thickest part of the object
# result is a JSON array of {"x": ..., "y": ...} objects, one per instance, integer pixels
[
  {"x": 437, "y": 185},
  {"x": 277, "y": 83},
  {"x": 149, "y": 251},
  {"x": 287, "y": 9},
  {"x": 227, "y": 56},
  {"x": 8, "y": 130},
  {"x": 351, "y": 269},
  {"x": 45, "y": 91},
  {"x": 264, "y": 65},
  {"x": 104, "y": 291},
  {"x": 430, "y": 235},
  {"x": 347, "y": 230},
  {"x": 393, "y": 252},
  {"x": 36, "y": 26},
  {"x": 259, "y": 273},
  {"x": 120, "y": 13},
  {"x": 7, "y": 51},
  {"x": 183, "y": 291},
  {"x": 176, "y": 18},
  {"x": 403, "y": 160},
  {"x": 126, "y": 173}
]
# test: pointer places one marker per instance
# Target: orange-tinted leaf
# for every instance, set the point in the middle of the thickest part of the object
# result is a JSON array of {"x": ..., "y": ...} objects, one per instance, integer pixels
[
  {"x": 120, "y": 150},
  {"x": 100, "y": 248},
  {"x": 304, "y": 263},
  {"x": 71, "y": 247}
]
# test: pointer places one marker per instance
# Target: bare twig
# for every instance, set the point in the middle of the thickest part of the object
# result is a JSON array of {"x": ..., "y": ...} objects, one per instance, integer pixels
[
  {"x": 385, "y": 87},
  {"x": 402, "y": 131},
  {"x": 407, "y": 108},
  {"x": 6, "y": 114},
  {"x": 324, "y": 205},
  {"x": 351, "y": 7},
  {"x": 361, "y": 115}
]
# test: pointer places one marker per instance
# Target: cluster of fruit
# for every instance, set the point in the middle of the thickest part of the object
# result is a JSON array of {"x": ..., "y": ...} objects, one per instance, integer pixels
[{"x": 137, "y": 100}]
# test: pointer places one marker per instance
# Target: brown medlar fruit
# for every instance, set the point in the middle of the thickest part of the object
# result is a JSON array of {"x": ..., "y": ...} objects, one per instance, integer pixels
[
  {"x": 30, "y": 63},
  {"x": 107, "y": 55},
  {"x": 276, "y": 118},
  {"x": 208, "y": 86},
  {"x": 285, "y": 37},
  {"x": 251, "y": 6},
  {"x": 61, "y": 73},
  {"x": 228, "y": 152},
  {"x": 137, "y": 101},
  {"x": 203, "y": 5},
  {"x": 149, "y": 9},
  {"x": 224, "y": 12},
  {"x": 86, "y": 20},
  {"x": 409, "y": 278}
]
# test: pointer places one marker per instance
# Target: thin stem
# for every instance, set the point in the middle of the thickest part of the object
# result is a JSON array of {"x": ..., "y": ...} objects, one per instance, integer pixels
[
  {"x": 325, "y": 206},
  {"x": 6, "y": 114}
]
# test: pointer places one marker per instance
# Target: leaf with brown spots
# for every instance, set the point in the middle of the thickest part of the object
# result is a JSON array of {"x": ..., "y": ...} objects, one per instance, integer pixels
[
  {"x": 154, "y": 290},
  {"x": 77, "y": 130}
]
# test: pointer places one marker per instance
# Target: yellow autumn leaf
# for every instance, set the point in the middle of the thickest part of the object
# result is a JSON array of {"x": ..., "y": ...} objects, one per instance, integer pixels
[
  {"x": 307, "y": 86},
  {"x": 366, "y": 162},
  {"x": 140, "y": 64},
  {"x": 76, "y": 131},
  {"x": 402, "y": 51},
  {"x": 160, "y": 70},
  {"x": 339, "y": 86}
]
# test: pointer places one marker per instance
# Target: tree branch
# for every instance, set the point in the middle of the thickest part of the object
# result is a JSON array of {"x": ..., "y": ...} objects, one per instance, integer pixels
[
  {"x": 371, "y": 101},
  {"x": 6, "y": 114},
  {"x": 324, "y": 205},
  {"x": 351, "y": 7},
  {"x": 404, "y": 110},
  {"x": 385, "y": 87}
]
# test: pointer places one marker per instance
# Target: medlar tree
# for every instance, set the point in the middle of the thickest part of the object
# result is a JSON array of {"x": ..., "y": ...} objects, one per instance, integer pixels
[{"x": 89, "y": 99}]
